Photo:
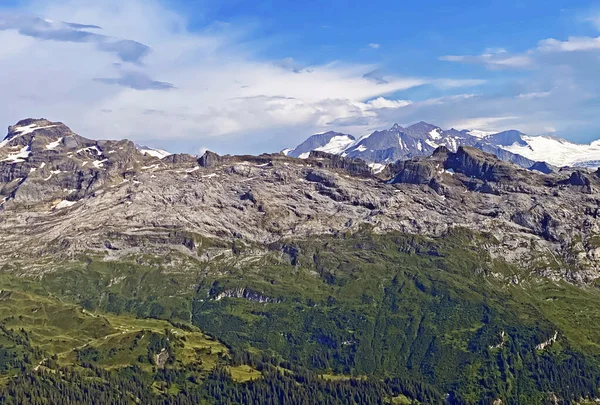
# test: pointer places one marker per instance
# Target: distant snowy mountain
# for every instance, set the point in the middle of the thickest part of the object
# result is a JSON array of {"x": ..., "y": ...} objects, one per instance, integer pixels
[
  {"x": 422, "y": 138},
  {"x": 556, "y": 151},
  {"x": 398, "y": 143},
  {"x": 330, "y": 142},
  {"x": 159, "y": 153}
]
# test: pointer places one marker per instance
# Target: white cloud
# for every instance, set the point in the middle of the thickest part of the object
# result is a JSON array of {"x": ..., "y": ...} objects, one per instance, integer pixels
[
  {"x": 186, "y": 89},
  {"x": 567, "y": 67},
  {"x": 493, "y": 58},
  {"x": 382, "y": 102},
  {"x": 374, "y": 45},
  {"x": 573, "y": 44},
  {"x": 485, "y": 124},
  {"x": 535, "y": 94}
]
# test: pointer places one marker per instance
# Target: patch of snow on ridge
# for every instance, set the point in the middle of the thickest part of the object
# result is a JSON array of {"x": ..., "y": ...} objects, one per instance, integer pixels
[
  {"x": 336, "y": 144},
  {"x": 157, "y": 153},
  {"x": 53, "y": 145},
  {"x": 558, "y": 152},
  {"x": 24, "y": 130},
  {"x": 479, "y": 133},
  {"x": 19, "y": 157},
  {"x": 435, "y": 134},
  {"x": 64, "y": 204},
  {"x": 99, "y": 163},
  {"x": 377, "y": 167},
  {"x": 431, "y": 143},
  {"x": 304, "y": 155},
  {"x": 91, "y": 148}
]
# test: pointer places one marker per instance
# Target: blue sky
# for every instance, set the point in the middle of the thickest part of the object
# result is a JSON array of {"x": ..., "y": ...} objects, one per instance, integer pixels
[{"x": 239, "y": 76}]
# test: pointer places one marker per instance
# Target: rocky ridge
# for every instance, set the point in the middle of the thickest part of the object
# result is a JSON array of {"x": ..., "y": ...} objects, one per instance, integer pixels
[{"x": 66, "y": 196}]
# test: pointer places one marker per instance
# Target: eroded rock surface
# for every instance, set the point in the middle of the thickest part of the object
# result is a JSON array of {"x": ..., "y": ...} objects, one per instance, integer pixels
[{"x": 65, "y": 195}]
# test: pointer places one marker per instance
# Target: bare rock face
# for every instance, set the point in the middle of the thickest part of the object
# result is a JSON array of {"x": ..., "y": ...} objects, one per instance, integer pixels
[
  {"x": 579, "y": 179},
  {"x": 330, "y": 161},
  {"x": 63, "y": 195},
  {"x": 209, "y": 159}
]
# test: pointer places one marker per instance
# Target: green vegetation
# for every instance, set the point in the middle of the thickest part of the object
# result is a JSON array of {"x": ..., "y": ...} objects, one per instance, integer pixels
[{"x": 384, "y": 318}]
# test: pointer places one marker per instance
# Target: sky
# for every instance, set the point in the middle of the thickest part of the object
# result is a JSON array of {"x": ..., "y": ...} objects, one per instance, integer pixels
[{"x": 253, "y": 76}]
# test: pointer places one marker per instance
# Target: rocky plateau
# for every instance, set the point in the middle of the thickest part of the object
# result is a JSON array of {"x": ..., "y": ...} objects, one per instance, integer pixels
[{"x": 64, "y": 196}]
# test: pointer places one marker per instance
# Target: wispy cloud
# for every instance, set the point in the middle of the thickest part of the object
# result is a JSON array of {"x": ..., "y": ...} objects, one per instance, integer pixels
[
  {"x": 200, "y": 86},
  {"x": 373, "y": 45},
  {"x": 137, "y": 81},
  {"x": 145, "y": 76},
  {"x": 496, "y": 60},
  {"x": 573, "y": 44},
  {"x": 45, "y": 29},
  {"x": 533, "y": 95}
]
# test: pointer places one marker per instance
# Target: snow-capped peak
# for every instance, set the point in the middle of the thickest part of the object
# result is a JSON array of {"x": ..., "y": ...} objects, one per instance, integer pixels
[
  {"x": 337, "y": 144},
  {"x": 158, "y": 153},
  {"x": 422, "y": 138},
  {"x": 556, "y": 151},
  {"x": 17, "y": 131},
  {"x": 477, "y": 133},
  {"x": 330, "y": 142}
]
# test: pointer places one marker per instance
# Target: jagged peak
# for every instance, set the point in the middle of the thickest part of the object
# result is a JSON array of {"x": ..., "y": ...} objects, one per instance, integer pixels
[{"x": 209, "y": 159}]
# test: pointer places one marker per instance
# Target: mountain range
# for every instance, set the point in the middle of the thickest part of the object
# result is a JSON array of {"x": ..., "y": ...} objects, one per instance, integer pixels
[
  {"x": 421, "y": 139},
  {"x": 448, "y": 276}
]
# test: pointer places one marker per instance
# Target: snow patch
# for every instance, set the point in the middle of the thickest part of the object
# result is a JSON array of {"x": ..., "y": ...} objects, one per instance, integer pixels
[
  {"x": 24, "y": 130},
  {"x": 99, "y": 163},
  {"x": 20, "y": 156},
  {"x": 377, "y": 167},
  {"x": 157, "y": 153},
  {"x": 64, "y": 204},
  {"x": 336, "y": 144},
  {"x": 304, "y": 155},
  {"x": 557, "y": 152},
  {"x": 479, "y": 133},
  {"x": 435, "y": 134},
  {"x": 53, "y": 145},
  {"x": 431, "y": 143},
  {"x": 91, "y": 148}
]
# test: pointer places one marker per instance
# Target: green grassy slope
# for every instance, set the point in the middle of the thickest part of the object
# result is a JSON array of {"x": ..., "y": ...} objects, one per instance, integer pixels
[{"x": 438, "y": 311}]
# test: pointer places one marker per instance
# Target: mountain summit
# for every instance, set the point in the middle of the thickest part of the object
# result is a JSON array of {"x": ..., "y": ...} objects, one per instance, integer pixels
[{"x": 422, "y": 138}]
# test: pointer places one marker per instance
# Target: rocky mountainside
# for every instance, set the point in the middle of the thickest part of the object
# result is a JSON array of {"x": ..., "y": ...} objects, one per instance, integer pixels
[
  {"x": 64, "y": 194},
  {"x": 421, "y": 139},
  {"x": 460, "y": 277}
]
